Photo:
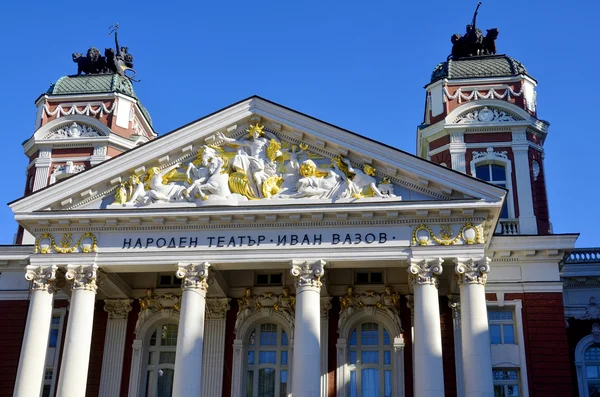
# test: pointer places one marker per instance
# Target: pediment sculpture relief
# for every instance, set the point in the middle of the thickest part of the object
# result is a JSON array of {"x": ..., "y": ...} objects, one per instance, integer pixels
[
  {"x": 73, "y": 130},
  {"x": 257, "y": 166}
]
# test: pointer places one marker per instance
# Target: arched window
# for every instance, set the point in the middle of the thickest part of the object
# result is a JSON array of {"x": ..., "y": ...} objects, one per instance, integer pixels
[
  {"x": 495, "y": 167},
  {"x": 592, "y": 369},
  {"x": 370, "y": 361},
  {"x": 496, "y": 174},
  {"x": 160, "y": 369},
  {"x": 267, "y": 362}
]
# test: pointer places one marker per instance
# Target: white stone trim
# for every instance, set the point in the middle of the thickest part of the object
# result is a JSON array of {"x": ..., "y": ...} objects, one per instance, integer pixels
[
  {"x": 114, "y": 347},
  {"x": 381, "y": 317},
  {"x": 139, "y": 357},
  {"x": 517, "y": 308},
  {"x": 494, "y": 157},
  {"x": 520, "y": 149},
  {"x": 239, "y": 347}
]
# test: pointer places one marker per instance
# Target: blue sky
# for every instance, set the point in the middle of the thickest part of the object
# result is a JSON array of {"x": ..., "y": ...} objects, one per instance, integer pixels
[{"x": 360, "y": 65}]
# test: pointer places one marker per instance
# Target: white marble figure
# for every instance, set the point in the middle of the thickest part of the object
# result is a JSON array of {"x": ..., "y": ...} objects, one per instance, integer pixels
[
  {"x": 362, "y": 180},
  {"x": 320, "y": 184},
  {"x": 217, "y": 185},
  {"x": 154, "y": 189},
  {"x": 255, "y": 165}
]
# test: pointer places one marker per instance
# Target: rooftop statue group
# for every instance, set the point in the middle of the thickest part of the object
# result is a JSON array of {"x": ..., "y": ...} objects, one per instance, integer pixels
[
  {"x": 473, "y": 43},
  {"x": 252, "y": 168},
  {"x": 115, "y": 60}
]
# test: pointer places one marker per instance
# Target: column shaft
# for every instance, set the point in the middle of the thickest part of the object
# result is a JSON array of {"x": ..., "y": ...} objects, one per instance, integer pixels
[
  {"x": 30, "y": 373},
  {"x": 72, "y": 380},
  {"x": 307, "y": 334},
  {"x": 476, "y": 351},
  {"x": 429, "y": 368},
  {"x": 190, "y": 337},
  {"x": 214, "y": 346}
]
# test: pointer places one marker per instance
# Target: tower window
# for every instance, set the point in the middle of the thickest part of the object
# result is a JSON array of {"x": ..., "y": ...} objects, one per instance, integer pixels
[
  {"x": 496, "y": 174},
  {"x": 369, "y": 277}
]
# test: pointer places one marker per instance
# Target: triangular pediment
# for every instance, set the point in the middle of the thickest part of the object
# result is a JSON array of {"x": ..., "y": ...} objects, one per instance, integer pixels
[{"x": 256, "y": 152}]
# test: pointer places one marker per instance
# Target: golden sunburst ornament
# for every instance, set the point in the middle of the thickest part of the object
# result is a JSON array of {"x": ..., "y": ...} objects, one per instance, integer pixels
[{"x": 256, "y": 128}]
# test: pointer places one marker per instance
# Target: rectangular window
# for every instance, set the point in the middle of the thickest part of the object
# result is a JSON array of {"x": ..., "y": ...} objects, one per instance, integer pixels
[
  {"x": 369, "y": 277},
  {"x": 168, "y": 281},
  {"x": 502, "y": 327},
  {"x": 269, "y": 279},
  {"x": 506, "y": 383}
]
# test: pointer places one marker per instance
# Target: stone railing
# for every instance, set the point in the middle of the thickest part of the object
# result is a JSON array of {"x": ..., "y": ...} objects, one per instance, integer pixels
[
  {"x": 583, "y": 255},
  {"x": 508, "y": 227}
]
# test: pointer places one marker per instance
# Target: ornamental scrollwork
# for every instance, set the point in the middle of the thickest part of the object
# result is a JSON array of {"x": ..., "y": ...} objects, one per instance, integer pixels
[
  {"x": 255, "y": 167},
  {"x": 485, "y": 115},
  {"x": 117, "y": 309},
  {"x": 471, "y": 271},
  {"x": 46, "y": 243},
  {"x": 284, "y": 304},
  {"x": 74, "y": 130},
  {"x": 193, "y": 276},
  {"x": 490, "y": 154},
  {"x": 387, "y": 302},
  {"x": 152, "y": 303},
  {"x": 216, "y": 308},
  {"x": 83, "y": 277},
  {"x": 42, "y": 277},
  {"x": 424, "y": 271},
  {"x": 307, "y": 273},
  {"x": 468, "y": 233}
]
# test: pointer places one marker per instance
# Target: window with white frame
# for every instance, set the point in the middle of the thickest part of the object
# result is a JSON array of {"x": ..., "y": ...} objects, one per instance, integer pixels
[
  {"x": 506, "y": 382},
  {"x": 160, "y": 369},
  {"x": 502, "y": 327},
  {"x": 495, "y": 174},
  {"x": 54, "y": 342},
  {"x": 370, "y": 361},
  {"x": 267, "y": 362},
  {"x": 592, "y": 369}
]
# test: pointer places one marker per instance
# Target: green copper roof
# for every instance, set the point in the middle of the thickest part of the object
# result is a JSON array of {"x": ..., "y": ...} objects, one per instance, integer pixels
[
  {"x": 92, "y": 84},
  {"x": 96, "y": 84},
  {"x": 482, "y": 66}
]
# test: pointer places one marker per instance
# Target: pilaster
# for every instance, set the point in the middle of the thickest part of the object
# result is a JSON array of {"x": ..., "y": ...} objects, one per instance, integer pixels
[
  {"x": 42, "y": 168},
  {"x": 458, "y": 150},
  {"x": 114, "y": 346},
  {"x": 454, "y": 304},
  {"x": 520, "y": 148},
  {"x": 213, "y": 357}
]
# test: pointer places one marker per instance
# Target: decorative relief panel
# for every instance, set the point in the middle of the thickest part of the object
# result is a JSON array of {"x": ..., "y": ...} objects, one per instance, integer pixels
[
  {"x": 490, "y": 154},
  {"x": 592, "y": 311},
  {"x": 65, "y": 169},
  {"x": 255, "y": 167},
  {"x": 485, "y": 115},
  {"x": 46, "y": 244},
  {"x": 467, "y": 234},
  {"x": 166, "y": 304},
  {"x": 74, "y": 130},
  {"x": 285, "y": 304},
  {"x": 387, "y": 302}
]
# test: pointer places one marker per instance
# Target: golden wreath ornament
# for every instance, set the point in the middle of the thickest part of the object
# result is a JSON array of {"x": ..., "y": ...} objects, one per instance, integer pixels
[
  {"x": 468, "y": 233},
  {"x": 46, "y": 243}
]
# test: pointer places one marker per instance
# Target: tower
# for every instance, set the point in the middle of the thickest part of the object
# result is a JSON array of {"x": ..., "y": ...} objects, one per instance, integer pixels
[
  {"x": 481, "y": 119},
  {"x": 85, "y": 119}
]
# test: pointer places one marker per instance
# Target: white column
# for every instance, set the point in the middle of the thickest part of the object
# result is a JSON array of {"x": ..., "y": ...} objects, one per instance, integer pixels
[
  {"x": 520, "y": 148},
  {"x": 476, "y": 351},
  {"x": 214, "y": 346},
  {"x": 428, "y": 364},
  {"x": 72, "y": 380},
  {"x": 325, "y": 306},
  {"x": 30, "y": 373},
  {"x": 42, "y": 168},
  {"x": 114, "y": 346},
  {"x": 135, "y": 372},
  {"x": 190, "y": 337},
  {"x": 455, "y": 306},
  {"x": 307, "y": 348},
  {"x": 458, "y": 149}
]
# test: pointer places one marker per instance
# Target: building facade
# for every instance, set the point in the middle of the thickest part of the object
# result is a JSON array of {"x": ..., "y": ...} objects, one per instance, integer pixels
[{"x": 261, "y": 252}]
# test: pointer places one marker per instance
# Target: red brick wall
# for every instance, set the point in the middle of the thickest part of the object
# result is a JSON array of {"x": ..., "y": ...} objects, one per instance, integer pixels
[
  {"x": 442, "y": 157},
  {"x": 97, "y": 350},
  {"x": 13, "y": 317},
  {"x": 408, "y": 352},
  {"x": 448, "y": 348},
  {"x": 229, "y": 338},
  {"x": 538, "y": 190},
  {"x": 130, "y": 336},
  {"x": 549, "y": 366},
  {"x": 334, "y": 316}
]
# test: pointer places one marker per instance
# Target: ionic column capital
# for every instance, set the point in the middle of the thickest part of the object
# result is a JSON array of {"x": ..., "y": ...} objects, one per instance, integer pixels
[
  {"x": 193, "y": 276},
  {"x": 307, "y": 273},
  {"x": 472, "y": 271},
  {"x": 424, "y": 271},
  {"x": 42, "y": 277},
  {"x": 83, "y": 277},
  {"x": 117, "y": 309}
]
